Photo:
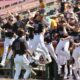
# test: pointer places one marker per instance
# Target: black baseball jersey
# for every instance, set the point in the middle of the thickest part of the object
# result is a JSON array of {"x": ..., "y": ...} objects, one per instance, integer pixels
[
  {"x": 19, "y": 46},
  {"x": 48, "y": 37},
  {"x": 9, "y": 30}
]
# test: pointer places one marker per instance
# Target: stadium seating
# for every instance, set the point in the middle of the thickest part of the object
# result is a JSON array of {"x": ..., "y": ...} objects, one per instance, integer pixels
[{"x": 18, "y": 5}]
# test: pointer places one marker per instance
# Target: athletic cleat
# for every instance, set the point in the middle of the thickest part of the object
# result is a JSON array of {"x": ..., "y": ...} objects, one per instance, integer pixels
[
  {"x": 65, "y": 77},
  {"x": 1, "y": 64}
]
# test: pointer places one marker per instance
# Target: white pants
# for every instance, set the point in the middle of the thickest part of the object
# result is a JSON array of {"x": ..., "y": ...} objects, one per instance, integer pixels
[
  {"x": 76, "y": 56},
  {"x": 7, "y": 43},
  {"x": 62, "y": 52},
  {"x": 51, "y": 51},
  {"x": 40, "y": 52},
  {"x": 21, "y": 61}
]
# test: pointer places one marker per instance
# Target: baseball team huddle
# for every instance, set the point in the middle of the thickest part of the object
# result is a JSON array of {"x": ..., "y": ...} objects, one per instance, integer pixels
[{"x": 40, "y": 39}]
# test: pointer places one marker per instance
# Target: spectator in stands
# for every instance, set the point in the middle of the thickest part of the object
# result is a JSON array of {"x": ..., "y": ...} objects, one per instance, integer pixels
[
  {"x": 54, "y": 23},
  {"x": 42, "y": 7},
  {"x": 77, "y": 7}
]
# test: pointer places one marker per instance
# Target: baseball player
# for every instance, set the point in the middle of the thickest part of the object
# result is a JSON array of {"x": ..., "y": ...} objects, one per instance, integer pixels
[
  {"x": 37, "y": 40},
  {"x": 21, "y": 58},
  {"x": 8, "y": 29},
  {"x": 63, "y": 53},
  {"x": 76, "y": 65}
]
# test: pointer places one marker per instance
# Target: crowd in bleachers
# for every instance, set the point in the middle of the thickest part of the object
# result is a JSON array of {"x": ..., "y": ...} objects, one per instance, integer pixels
[{"x": 60, "y": 32}]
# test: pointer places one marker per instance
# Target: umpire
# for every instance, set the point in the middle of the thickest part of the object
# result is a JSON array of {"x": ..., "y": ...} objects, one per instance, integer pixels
[{"x": 19, "y": 48}]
